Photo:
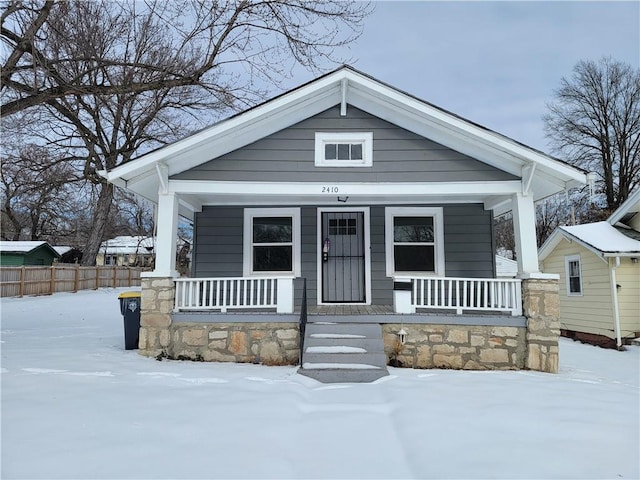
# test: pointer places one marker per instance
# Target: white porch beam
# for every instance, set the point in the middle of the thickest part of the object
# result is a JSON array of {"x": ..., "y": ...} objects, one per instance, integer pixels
[
  {"x": 167, "y": 234},
  {"x": 524, "y": 229},
  {"x": 333, "y": 189}
]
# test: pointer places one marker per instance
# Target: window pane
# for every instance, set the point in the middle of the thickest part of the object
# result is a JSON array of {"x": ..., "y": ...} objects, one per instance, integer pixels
[
  {"x": 272, "y": 259},
  {"x": 413, "y": 229},
  {"x": 574, "y": 285},
  {"x": 272, "y": 230},
  {"x": 330, "y": 151},
  {"x": 356, "y": 151},
  {"x": 418, "y": 258},
  {"x": 574, "y": 269},
  {"x": 343, "y": 151}
]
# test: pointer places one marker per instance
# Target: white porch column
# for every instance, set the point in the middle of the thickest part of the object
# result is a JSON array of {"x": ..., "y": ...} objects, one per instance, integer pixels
[
  {"x": 167, "y": 233},
  {"x": 524, "y": 229}
]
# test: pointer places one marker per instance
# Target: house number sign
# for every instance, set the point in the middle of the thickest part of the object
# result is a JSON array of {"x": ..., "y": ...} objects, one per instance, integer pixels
[{"x": 332, "y": 189}]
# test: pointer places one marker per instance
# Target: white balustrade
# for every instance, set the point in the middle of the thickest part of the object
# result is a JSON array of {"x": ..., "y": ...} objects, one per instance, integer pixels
[
  {"x": 460, "y": 294},
  {"x": 234, "y": 293}
]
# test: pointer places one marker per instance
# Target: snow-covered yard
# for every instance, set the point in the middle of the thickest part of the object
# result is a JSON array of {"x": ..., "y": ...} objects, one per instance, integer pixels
[{"x": 75, "y": 404}]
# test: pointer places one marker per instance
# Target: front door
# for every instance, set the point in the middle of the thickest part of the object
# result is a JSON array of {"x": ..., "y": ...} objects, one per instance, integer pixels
[{"x": 343, "y": 257}]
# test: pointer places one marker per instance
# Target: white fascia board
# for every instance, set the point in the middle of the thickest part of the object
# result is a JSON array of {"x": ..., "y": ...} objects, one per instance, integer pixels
[
  {"x": 447, "y": 128},
  {"x": 282, "y": 189},
  {"x": 623, "y": 209},
  {"x": 550, "y": 244}
]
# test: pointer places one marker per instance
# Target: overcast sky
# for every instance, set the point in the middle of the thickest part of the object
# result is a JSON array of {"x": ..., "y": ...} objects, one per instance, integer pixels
[{"x": 495, "y": 63}]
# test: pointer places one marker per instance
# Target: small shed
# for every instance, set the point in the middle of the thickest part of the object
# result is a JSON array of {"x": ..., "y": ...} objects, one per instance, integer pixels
[{"x": 27, "y": 253}]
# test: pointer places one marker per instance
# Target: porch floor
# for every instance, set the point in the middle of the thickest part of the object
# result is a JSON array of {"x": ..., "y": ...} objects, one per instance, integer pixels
[{"x": 353, "y": 314}]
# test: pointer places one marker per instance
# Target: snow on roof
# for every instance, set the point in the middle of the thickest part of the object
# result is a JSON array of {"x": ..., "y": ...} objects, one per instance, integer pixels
[
  {"x": 127, "y": 244},
  {"x": 20, "y": 246},
  {"x": 62, "y": 249},
  {"x": 603, "y": 237}
]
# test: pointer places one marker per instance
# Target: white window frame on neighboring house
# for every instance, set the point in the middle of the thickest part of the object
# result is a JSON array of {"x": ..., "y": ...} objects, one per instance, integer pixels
[
  {"x": 567, "y": 268},
  {"x": 364, "y": 139},
  {"x": 248, "y": 244},
  {"x": 438, "y": 225}
]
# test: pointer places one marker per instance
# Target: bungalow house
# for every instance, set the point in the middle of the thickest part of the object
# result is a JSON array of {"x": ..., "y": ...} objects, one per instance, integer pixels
[
  {"x": 344, "y": 224},
  {"x": 599, "y": 270},
  {"x": 27, "y": 253}
]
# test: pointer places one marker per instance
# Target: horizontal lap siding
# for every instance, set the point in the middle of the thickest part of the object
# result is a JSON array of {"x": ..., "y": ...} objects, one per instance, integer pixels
[
  {"x": 628, "y": 277},
  {"x": 218, "y": 242},
  {"x": 398, "y": 156},
  {"x": 593, "y": 311},
  {"x": 468, "y": 241},
  {"x": 218, "y": 246}
]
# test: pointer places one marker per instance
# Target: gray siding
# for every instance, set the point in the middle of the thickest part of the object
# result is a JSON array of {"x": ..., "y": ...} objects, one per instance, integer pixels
[
  {"x": 398, "y": 156},
  {"x": 468, "y": 235}
]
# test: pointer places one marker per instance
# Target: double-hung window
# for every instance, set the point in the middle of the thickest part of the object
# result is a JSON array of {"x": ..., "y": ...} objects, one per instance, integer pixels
[
  {"x": 271, "y": 241},
  {"x": 573, "y": 271},
  {"x": 414, "y": 239},
  {"x": 346, "y": 149}
]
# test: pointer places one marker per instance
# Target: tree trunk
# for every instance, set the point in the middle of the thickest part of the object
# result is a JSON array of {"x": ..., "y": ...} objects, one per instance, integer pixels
[{"x": 100, "y": 220}]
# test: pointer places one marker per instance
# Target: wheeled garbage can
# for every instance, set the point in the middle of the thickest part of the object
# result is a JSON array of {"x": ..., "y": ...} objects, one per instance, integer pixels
[{"x": 130, "y": 310}]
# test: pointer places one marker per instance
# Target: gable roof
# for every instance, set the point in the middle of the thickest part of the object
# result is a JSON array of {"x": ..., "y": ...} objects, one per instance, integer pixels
[
  {"x": 126, "y": 244},
  {"x": 347, "y": 86},
  {"x": 610, "y": 238},
  {"x": 601, "y": 238},
  {"x": 25, "y": 247}
]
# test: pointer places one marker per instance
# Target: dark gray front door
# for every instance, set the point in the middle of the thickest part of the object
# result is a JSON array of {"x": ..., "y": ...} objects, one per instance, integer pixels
[{"x": 343, "y": 262}]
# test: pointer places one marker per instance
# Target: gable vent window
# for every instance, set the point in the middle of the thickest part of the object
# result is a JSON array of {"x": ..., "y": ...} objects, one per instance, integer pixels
[{"x": 352, "y": 149}]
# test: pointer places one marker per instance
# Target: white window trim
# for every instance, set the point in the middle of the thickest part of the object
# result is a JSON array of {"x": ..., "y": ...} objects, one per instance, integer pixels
[
  {"x": 247, "y": 253},
  {"x": 366, "y": 138},
  {"x": 438, "y": 224},
  {"x": 567, "y": 260},
  {"x": 367, "y": 252}
]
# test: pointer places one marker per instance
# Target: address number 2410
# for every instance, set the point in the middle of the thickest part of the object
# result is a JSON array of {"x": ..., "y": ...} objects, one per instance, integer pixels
[{"x": 330, "y": 189}]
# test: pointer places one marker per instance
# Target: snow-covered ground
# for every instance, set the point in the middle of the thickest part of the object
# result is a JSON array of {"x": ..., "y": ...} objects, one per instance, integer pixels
[{"x": 75, "y": 404}]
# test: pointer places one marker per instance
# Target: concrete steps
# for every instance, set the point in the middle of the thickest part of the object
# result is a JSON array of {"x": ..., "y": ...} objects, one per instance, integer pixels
[{"x": 343, "y": 352}]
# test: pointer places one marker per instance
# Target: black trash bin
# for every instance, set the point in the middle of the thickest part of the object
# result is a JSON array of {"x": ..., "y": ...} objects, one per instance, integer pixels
[{"x": 130, "y": 310}]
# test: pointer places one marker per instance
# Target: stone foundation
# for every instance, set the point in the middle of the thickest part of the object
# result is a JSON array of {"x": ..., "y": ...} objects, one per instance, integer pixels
[
  {"x": 468, "y": 347},
  {"x": 457, "y": 346},
  {"x": 155, "y": 314},
  {"x": 541, "y": 306},
  {"x": 265, "y": 343}
]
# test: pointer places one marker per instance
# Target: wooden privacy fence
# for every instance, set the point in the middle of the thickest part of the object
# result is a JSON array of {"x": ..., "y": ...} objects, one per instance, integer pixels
[{"x": 20, "y": 281}]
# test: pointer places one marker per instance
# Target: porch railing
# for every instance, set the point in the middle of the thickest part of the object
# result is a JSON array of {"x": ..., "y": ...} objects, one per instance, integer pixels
[
  {"x": 234, "y": 293},
  {"x": 460, "y": 294}
]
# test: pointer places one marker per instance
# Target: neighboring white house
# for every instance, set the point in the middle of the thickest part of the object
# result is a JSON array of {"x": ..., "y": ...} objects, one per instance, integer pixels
[
  {"x": 127, "y": 251},
  {"x": 505, "y": 267},
  {"x": 599, "y": 270}
]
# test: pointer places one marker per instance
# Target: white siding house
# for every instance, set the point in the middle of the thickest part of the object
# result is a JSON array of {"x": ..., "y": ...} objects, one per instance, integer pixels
[{"x": 599, "y": 269}]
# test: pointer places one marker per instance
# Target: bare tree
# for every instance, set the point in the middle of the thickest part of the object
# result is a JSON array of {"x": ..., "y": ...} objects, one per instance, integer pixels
[
  {"x": 119, "y": 78},
  {"x": 39, "y": 198},
  {"x": 594, "y": 122}
]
